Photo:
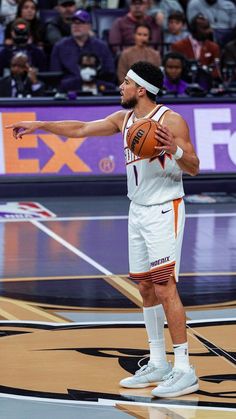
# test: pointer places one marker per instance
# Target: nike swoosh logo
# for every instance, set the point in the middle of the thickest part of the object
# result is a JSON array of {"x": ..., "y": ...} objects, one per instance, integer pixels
[{"x": 164, "y": 212}]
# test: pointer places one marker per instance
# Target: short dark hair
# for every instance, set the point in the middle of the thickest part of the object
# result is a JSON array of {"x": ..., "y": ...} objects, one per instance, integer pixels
[
  {"x": 150, "y": 73},
  {"x": 143, "y": 25},
  {"x": 176, "y": 15},
  {"x": 174, "y": 56},
  {"x": 193, "y": 25}
]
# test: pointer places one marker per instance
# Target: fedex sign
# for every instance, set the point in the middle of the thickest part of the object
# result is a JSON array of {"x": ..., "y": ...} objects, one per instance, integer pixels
[
  {"x": 215, "y": 137},
  {"x": 46, "y": 153},
  {"x": 212, "y": 129}
]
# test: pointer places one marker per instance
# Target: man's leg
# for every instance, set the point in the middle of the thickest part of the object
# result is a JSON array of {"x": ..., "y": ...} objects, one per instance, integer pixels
[
  {"x": 182, "y": 380},
  {"x": 157, "y": 367},
  {"x": 154, "y": 319}
]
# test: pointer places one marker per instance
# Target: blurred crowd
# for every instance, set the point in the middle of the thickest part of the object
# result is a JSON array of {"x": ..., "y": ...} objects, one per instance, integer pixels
[{"x": 68, "y": 48}]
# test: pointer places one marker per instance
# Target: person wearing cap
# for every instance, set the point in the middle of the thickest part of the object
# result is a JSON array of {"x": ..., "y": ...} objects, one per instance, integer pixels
[
  {"x": 59, "y": 26},
  {"x": 122, "y": 30},
  {"x": 156, "y": 220},
  {"x": 20, "y": 33},
  {"x": 89, "y": 81},
  {"x": 66, "y": 53},
  {"x": 27, "y": 9}
]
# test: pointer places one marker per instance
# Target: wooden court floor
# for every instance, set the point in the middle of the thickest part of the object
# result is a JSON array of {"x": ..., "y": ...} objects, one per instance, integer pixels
[{"x": 71, "y": 322}]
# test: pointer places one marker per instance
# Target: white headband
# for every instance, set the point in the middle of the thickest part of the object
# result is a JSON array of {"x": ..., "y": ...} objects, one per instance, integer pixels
[{"x": 143, "y": 83}]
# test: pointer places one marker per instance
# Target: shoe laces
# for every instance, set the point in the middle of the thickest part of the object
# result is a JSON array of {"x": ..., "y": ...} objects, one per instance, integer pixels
[
  {"x": 171, "y": 377},
  {"x": 142, "y": 359},
  {"x": 144, "y": 369}
]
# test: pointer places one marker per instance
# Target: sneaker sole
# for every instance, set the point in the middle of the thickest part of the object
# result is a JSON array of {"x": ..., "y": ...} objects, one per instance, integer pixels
[
  {"x": 188, "y": 390},
  {"x": 139, "y": 385}
]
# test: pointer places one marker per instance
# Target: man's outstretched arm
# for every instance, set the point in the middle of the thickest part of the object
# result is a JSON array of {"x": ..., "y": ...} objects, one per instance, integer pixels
[{"x": 107, "y": 126}]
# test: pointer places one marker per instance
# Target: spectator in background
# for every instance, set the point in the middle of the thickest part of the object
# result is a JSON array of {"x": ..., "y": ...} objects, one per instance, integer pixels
[
  {"x": 122, "y": 30},
  {"x": 27, "y": 10},
  {"x": 59, "y": 26},
  {"x": 199, "y": 48},
  {"x": 228, "y": 61},
  {"x": 89, "y": 80},
  {"x": 140, "y": 51},
  {"x": 21, "y": 43},
  {"x": 161, "y": 9},
  {"x": 174, "y": 65},
  {"x": 176, "y": 29},
  {"x": 8, "y": 10},
  {"x": 66, "y": 53},
  {"x": 22, "y": 81},
  {"x": 220, "y": 13}
]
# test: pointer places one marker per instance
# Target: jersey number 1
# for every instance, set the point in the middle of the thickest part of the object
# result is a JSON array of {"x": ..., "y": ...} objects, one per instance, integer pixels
[{"x": 135, "y": 175}]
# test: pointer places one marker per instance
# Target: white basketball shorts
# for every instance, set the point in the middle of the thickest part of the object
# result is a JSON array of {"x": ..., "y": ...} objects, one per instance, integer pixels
[{"x": 155, "y": 240}]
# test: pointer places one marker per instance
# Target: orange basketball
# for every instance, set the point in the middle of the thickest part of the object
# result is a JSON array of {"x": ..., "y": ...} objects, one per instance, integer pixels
[{"x": 141, "y": 138}]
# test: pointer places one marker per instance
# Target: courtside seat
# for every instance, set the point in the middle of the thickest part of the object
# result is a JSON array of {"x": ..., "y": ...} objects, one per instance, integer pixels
[
  {"x": 222, "y": 36},
  {"x": 46, "y": 14},
  {"x": 102, "y": 20}
]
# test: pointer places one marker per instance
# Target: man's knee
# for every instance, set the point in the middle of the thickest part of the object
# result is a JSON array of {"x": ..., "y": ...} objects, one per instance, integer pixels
[
  {"x": 166, "y": 290},
  {"x": 146, "y": 288}
]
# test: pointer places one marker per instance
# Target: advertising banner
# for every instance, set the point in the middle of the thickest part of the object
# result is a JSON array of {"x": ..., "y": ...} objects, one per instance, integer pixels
[{"x": 212, "y": 130}]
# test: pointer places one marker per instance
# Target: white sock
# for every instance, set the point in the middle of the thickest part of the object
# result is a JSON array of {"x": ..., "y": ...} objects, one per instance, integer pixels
[
  {"x": 181, "y": 356},
  {"x": 154, "y": 319}
]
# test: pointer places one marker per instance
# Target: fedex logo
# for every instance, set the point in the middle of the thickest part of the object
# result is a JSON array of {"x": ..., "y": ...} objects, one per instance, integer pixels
[
  {"x": 37, "y": 153},
  {"x": 213, "y": 127}
]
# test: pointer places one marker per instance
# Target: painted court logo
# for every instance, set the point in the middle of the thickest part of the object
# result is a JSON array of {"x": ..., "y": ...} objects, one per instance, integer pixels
[
  {"x": 66, "y": 361},
  {"x": 24, "y": 210}
]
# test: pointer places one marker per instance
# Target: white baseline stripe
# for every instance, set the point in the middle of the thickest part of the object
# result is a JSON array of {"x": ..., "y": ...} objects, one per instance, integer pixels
[
  {"x": 71, "y": 248},
  {"x": 98, "y": 323},
  {"x": 111, "y": 402},
  {"x": 107, "y": 217}
]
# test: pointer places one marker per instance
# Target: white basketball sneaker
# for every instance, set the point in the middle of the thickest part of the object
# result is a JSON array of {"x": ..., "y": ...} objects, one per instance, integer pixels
[
  {"x": 148, "y": 375},
  {"x": 177, "y": 383}
]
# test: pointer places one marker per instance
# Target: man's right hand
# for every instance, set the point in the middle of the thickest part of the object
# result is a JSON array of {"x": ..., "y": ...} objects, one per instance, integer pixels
[{"x": 22, "y": 128}]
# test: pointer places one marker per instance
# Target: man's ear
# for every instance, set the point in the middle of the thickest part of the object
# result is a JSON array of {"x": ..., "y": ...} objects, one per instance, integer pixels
[{"x": 141, "y": 91}]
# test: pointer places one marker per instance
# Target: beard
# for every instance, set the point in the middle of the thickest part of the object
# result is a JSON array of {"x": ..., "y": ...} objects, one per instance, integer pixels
[{"x": 129, "y": 104}]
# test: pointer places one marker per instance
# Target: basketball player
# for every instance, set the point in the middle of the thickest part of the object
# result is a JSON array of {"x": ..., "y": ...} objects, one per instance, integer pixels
[{"x": 156, "y": 220}]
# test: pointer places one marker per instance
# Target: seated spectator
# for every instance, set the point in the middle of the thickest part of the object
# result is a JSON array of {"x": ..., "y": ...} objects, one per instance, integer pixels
[
  {"x": 21, "y": 43},
  {"x": 174, "y": 64},
  {"x": 22, "y": 81},
  {"x": 66, "y": 53},
  {"x": 122, "y": 30},
  {"x": 89, "y": 80},
  {"x": 228, "y": 61},
  {"x": 60, "y": 26},
  {"x": 161, "y": 9},
  {"x": 199, "y": 48},
  {"x": 8, "y": 10},
  {"x": 176, "y": 29},
  {"x": 27, "y": 10},
  {"x": 140, "y": 51},
  {"x": 220, "y": 13}
]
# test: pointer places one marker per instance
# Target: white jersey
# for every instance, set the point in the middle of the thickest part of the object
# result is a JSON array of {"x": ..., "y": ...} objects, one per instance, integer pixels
[{"x": 151, "y": 181}]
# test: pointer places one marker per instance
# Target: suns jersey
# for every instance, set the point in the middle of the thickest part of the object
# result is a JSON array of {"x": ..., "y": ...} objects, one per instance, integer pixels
[{"x": 151, "y": 181}]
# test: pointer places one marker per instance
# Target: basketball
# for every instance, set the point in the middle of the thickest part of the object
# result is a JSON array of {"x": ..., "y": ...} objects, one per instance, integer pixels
[{"x": 141, "y": 138}]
